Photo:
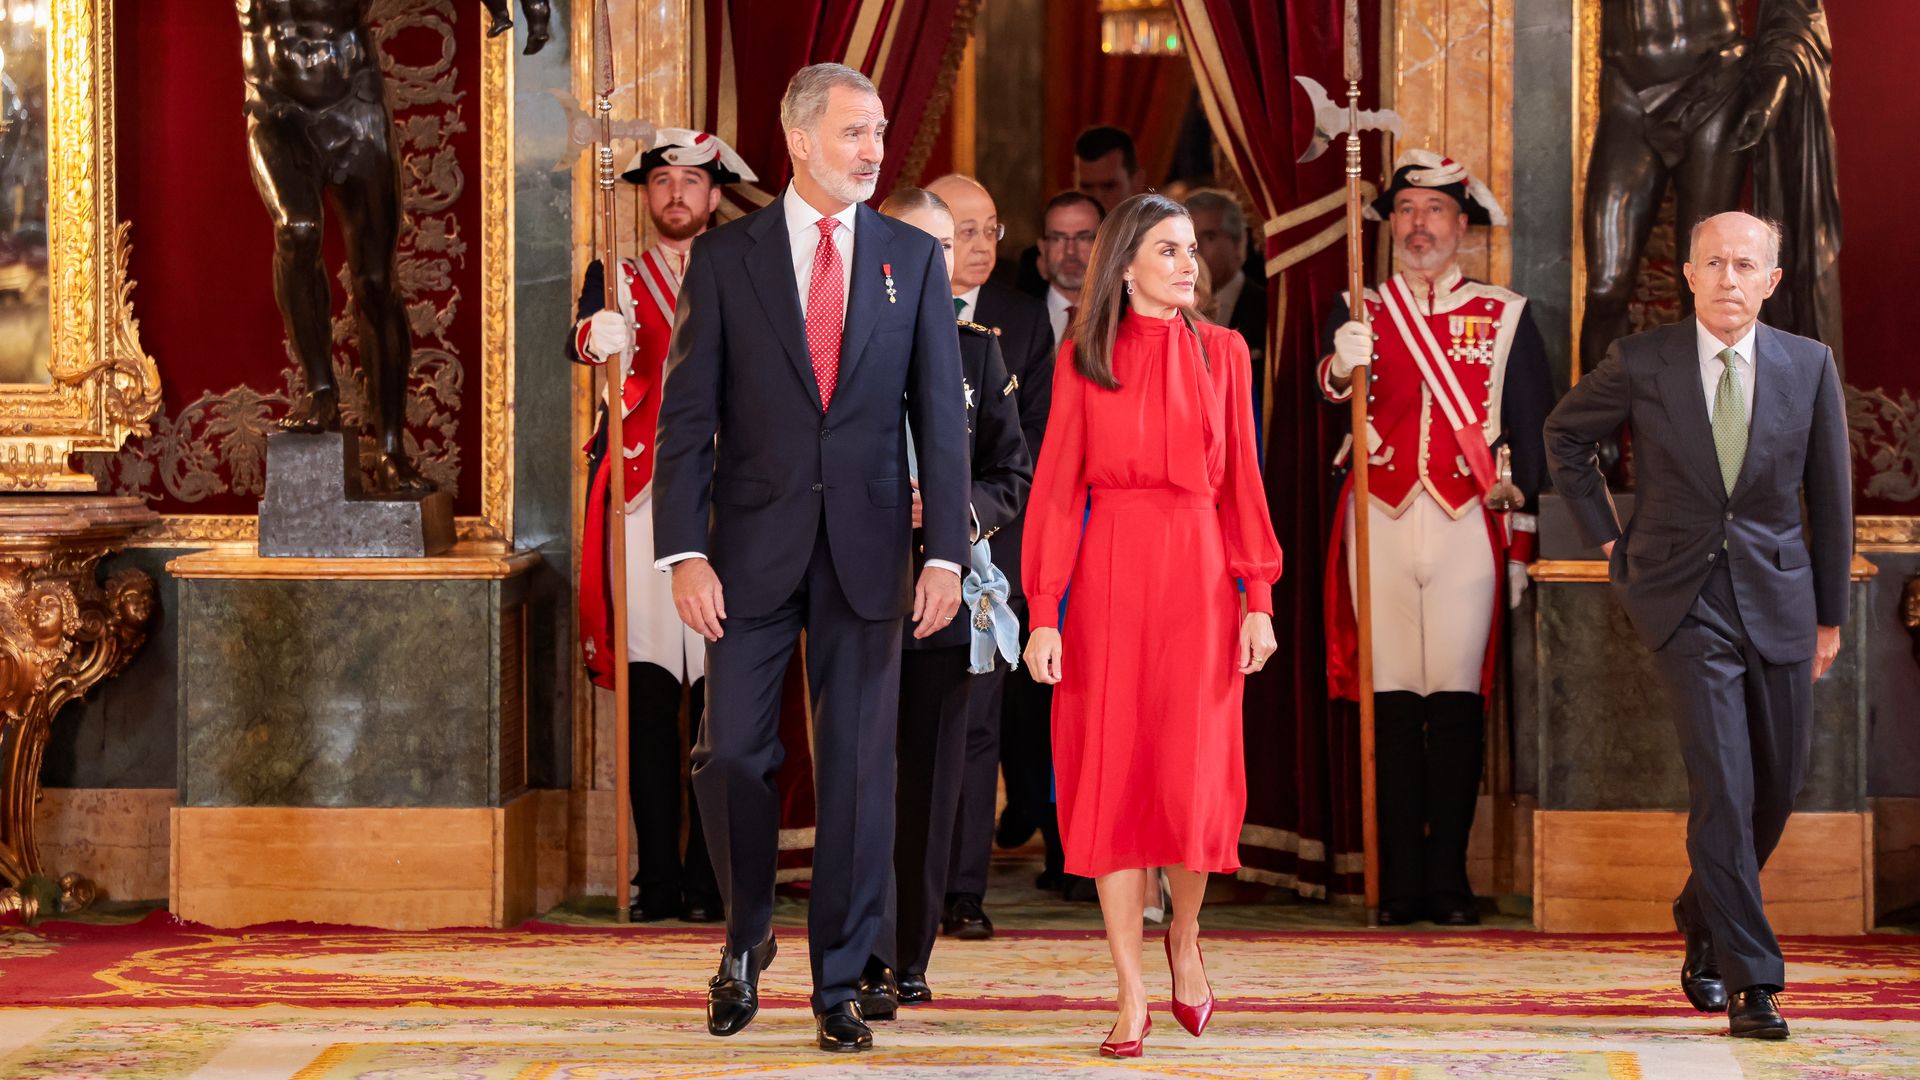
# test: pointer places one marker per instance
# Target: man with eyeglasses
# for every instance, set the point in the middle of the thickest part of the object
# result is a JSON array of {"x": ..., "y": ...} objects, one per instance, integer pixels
[
  {"x": 1027, "y": 345},
  {"x": 1067, "y": 229}
]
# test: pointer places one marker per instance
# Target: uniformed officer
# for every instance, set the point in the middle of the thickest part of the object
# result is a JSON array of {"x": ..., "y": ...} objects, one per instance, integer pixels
[
  {"x": 1460, "y": 386},
  {"x": 680, "y": 178},
  {"x": 936, "y": 672}
]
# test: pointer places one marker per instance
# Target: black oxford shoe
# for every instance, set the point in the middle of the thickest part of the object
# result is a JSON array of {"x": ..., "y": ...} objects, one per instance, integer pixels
[
  {"x": 1752, "y": 1014},
  {"x": 879, "y": 992},
  {"x": 914, "y": 990},
  {"x": 702, "y": 910},
  {"x": 966, "y": 920},
  {"x": 842, "y": 1031},
  {"x": 1699, "y": 971},
  {"x": 733, "y": 995}
]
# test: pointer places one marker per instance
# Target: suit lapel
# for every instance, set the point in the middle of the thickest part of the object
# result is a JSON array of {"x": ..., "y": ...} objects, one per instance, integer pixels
[
  {"x": 1686, "y": 405},
  {"x": 1772, "y": 405},
  {"x": 866, "y": 287},
  {"x": 770, "y": 269}
]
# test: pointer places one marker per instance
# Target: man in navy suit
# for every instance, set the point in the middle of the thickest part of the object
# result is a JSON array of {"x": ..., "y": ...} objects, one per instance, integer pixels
[
  {"x": 1738, "y": 591},
  {"x": 809, "y": 334}
]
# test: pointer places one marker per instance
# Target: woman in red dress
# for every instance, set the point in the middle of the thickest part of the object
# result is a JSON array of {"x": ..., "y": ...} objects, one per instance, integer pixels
[{"x": 1152, "y": 426}]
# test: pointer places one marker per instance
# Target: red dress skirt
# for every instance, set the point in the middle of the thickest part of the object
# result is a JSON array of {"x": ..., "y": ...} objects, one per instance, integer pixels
[{"x": 1148, "y": 767}]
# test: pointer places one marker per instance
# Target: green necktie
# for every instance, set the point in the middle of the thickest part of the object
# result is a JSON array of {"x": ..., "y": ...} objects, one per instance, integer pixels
[
  {"x": 1729, "y": 421},
  {"x": 959, "y": 305}
]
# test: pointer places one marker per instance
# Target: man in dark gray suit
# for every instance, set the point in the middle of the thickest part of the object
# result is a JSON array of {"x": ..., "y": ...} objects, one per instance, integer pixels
[{"x": 1739, "y": 594}]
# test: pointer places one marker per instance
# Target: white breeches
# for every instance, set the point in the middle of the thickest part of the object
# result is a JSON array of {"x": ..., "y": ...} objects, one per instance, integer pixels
[
  {"x": 655, "y": 633},
  {"x": 1433, "y": 594}
]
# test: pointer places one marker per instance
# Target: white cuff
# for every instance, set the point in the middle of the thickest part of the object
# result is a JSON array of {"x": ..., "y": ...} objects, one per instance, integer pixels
[
  {"x": 973, "y": 516},
  {"x": 667, "y": 563},
  {"x": 945, "y": 565}
]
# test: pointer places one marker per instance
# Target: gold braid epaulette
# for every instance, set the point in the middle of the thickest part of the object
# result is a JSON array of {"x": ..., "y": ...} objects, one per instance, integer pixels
[{"x": 978, "y": 328}]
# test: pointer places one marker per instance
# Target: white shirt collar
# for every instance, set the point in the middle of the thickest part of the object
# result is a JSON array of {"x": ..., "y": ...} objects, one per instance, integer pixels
[
  {"x": 1227, "y": 296},
  {"x": 801, "y": 216},
  {"x": 971, "y": 298},
  {"x": 1057, "y": 300},
  {"x": 1710, "y": 347}
]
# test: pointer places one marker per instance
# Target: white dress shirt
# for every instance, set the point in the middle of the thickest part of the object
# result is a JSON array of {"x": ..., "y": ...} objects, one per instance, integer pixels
[
  {"x": 1057, "y": 304},
  {"x": 969, "y": 308},
  {"x": 1712, "y": 367},
  {"x": 803, "y": 236}
]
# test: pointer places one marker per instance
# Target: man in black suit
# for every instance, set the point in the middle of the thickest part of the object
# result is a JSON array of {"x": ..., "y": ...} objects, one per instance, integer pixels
[
  {"x": 808, "y": 334},
  {"x": 1239, "y": 299},
  {"x": 1734, "y": 569},
  {"x": 1026, "y": 343}
]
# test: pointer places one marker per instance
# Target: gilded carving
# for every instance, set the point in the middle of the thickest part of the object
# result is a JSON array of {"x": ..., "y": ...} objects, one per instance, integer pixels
[
  {"x": 102, "y": 387},
  {"x": 61, "y": 632}
]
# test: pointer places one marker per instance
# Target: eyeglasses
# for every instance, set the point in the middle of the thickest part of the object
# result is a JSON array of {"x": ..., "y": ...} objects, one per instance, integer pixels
[
  {"x": 969, "y": 234},
  {"x": 1060, "y": 239}
]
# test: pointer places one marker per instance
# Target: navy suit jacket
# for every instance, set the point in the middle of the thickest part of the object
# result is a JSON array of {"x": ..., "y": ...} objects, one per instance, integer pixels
[
  {"x": 747, "y": 461},
  {"x": 1789, "y": 573}
]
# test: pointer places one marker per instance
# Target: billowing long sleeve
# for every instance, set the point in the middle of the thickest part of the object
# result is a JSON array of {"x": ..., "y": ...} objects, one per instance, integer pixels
[
  {"x": 1253, "y": 552},
  {"x": 1058, "y": 502}
]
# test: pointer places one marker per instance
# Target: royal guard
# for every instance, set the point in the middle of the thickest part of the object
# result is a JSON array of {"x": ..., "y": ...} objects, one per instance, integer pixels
[
  {"x": 680, "y": 180},
  {"x": 1460, "y": 392}
]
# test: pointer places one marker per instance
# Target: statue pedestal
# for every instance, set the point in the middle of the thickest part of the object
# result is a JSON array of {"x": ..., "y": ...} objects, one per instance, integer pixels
[
  {"x": 353, "y": 743},
  {"x": 315, "y": 507},
  {"x": 60, "y": 634},
  {"x": 1594, "y": 724}
]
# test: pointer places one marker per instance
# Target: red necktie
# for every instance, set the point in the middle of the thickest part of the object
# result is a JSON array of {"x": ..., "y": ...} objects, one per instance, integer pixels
[{"x": 826, "y": 304}]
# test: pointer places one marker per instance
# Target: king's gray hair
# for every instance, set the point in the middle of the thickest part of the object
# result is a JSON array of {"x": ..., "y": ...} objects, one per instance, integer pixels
[
  {"x": 1771, "y": 227},
  {"x": 1232, "y": 218},
  {"x": 806, "y": 98}
]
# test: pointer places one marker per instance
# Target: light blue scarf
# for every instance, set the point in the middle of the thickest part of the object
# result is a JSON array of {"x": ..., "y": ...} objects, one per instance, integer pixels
[
  {"x": 983, "y": 591},
  {"x": 995, "y": 626}
]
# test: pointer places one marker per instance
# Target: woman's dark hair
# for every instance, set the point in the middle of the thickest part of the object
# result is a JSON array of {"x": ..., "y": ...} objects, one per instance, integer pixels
[
  {"x": 907, "y": 200},
  {"x": 1103, "y": 299}
]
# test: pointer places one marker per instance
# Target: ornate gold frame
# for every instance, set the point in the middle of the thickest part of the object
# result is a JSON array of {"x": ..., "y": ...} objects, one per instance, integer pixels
[
  {"x": 494, "y": 524},
  {"x": 102, "y": 387}
]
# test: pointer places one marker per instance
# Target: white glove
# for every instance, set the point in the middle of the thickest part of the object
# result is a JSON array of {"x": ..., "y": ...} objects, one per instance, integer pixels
[
  {"x": 1517, "y": 582},
  {"x": 1352, "y": 346},
  {"x": 608, "y": 334}
]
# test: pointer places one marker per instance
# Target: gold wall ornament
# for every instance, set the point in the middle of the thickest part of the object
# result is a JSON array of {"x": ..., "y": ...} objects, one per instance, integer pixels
[
  {"x": 101, "y": 386},
  {"x": 61, "y": 632}
]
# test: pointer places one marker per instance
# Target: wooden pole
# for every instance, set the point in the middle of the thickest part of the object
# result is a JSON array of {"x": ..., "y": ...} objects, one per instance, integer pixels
[
  {"x": 613, "y": 376},
  {"x": 1362, "y": 386}
]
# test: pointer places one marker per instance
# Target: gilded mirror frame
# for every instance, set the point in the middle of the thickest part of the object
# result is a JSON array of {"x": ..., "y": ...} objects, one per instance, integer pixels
[{"x": 103, "y": 387}]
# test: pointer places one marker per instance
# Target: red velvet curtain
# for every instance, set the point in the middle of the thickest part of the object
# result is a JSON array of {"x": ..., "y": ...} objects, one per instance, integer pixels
[
  {"x": 1145, "y": 95},
  {"x": 746, "y": 51},
  {"x": 750, "y": 48},
  {"x": 1303, "y": 814}
]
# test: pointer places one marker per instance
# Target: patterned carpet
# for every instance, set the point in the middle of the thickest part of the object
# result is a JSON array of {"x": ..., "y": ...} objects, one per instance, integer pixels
[{"x": 1304, "y": 997}]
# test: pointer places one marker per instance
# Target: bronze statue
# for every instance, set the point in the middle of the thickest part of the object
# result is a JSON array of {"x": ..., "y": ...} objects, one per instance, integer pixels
[
  {"x": 318, "y": 122},
  {"x": 1686, "y": 98}
]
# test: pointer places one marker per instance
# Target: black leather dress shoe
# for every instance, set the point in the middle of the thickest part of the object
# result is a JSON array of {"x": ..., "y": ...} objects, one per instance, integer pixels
[
  {"x": 733, "y": 995},
  {"x": 879, "y": 992},
  {"x": 1752, "y": 1014},
  {"x": 914, "y": 990},
  {"x": 841, "y": 1029},
  {"x": 1699, "y": 971},
  {"x": 1456, "y": 916},
  {"x": 966, "y": 920},
  {"x": 1049, "y": 880},
  {"x": 702, "y": 911}
]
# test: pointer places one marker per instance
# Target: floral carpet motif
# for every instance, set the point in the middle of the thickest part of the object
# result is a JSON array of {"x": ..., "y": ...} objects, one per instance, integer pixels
[
  {"x": 159, "y": 998},
  {"x": 934, "y": 1044}
]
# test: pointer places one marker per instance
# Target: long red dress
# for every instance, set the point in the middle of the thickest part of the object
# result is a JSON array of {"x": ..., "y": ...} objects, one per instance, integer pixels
[{"x": 1146, "y": 719}]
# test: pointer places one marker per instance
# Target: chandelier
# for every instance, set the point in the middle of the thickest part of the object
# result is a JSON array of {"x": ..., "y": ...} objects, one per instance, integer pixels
[{"x": 1139, "y": 28}]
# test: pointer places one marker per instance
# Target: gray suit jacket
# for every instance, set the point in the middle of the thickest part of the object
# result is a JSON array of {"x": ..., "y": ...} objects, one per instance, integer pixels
[{"x": 1789, "y": 572}]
